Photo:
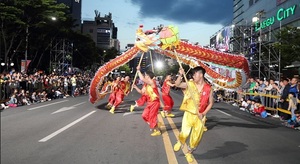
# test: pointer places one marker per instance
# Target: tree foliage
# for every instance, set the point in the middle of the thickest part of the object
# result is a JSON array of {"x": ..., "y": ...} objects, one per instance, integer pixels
[
  {"x": 32, "y": 19},
  {"x": 289, "y": 45}
]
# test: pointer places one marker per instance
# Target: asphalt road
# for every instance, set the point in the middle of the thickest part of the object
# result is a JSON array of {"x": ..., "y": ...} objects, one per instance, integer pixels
[{"x": 74, "y": 131}]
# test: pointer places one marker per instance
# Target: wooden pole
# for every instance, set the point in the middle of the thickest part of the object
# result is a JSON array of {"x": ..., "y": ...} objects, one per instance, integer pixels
[
  {"x": 186, "y": 80},
  {"x": 137, "y": 71}
]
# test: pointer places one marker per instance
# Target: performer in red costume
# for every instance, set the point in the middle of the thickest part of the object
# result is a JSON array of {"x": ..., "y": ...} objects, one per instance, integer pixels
[
  {"x": 114, "y": 90},
  {"x": 151, "y": 91},
  {"x": 142, "y": 100},
  {"x": 122, "y": 89},
  {"x": 168, "y": 101}
]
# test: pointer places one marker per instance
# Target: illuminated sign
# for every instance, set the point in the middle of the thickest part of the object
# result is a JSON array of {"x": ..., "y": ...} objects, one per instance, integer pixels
[
  {"x": 78, "y": 1},
  {"x": 281, "y": 14}
]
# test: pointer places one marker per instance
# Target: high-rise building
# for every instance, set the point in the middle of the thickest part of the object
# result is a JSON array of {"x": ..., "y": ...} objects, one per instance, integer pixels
[
  {"x": 75, "y": 11},
  {"x": 253, "y": 29},
  {"x": 257, "y": 22},
  {"x": 102, "y": 30}
]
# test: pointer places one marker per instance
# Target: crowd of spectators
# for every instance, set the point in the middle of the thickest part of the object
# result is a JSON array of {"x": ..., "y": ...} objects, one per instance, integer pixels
[
  {"x": 18, "y": 89},
  {"x": 287, "y": 91}
]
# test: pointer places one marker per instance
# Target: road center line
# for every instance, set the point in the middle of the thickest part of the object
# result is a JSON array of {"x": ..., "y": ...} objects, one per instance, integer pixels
[
  {"x": 176, "y": 133},
  {"x": 167, "y": 143},
  {"x": 224, "y": 112},
  {"x": 47, "y": 105},
  {"x": 65, "y": 127}
]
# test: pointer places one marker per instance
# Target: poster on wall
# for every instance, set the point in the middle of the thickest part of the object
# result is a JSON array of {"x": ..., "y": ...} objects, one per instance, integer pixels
[{"x": 222, "y": 40}]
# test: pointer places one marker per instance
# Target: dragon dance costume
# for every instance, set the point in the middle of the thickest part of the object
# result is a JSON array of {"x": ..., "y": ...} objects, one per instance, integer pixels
[
  {"x": 150, "y": 112},
  {"x": 191, "y": 124},
  {"x": 122, "y": 88},
  {"x": 168, "y": 101}
]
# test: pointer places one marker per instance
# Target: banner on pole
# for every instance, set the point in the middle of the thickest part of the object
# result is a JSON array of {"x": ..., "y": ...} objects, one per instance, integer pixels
[{"x": 24, "y": 65}]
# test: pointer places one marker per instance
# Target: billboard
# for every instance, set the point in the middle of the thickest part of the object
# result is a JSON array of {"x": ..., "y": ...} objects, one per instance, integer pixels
[{"x": 223, "y": 38}]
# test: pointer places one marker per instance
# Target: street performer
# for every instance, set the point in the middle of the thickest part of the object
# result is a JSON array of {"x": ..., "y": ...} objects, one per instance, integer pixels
[
  {"x": 142, "y": 100},
  {"x": 114, "y": 89},
  {"x": 122, "y": 89},
  {"x": 151, "y": 91},
  {"x": 197, "y": 101},
  {"x": 168, "y": 101}
]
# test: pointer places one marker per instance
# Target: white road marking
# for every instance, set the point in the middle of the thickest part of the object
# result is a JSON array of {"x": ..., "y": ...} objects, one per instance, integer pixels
[
  {"x": 79, "y": 104},
  {"x": 63, "y": 109},
  {"x": 224, "y": 112},
  {"x": 47, "y": 105},
  {"x": 67, "y": 108},
  {"x": 65, "y": 127},
  {"x": 128, "y": 113}
]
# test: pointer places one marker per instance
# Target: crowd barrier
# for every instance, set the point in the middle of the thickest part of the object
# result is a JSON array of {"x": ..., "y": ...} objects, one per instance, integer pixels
[{"x": 271, "y": 102}]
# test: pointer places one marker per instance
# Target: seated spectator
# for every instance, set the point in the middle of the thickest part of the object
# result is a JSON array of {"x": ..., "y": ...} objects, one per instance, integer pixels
[
  {"x": 43, "y": 96},
  {"x": 58, "y": 94},
  {"x": 24, "y": 100},
  {"x": 51, "y": 95},
  {"x": 13, "y": 102},
  {"x": 244, "y": 104},
  {"x": 294, "y": 122},
  {"x": 76, "y": 92},
  {"x": 259, "y": 109},
  {"x": 35, "y": 98}
]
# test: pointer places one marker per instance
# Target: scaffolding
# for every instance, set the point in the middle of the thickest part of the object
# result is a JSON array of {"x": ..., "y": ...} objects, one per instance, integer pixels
[
  {"x": 258, "y": 48},
  {"x": 61, "y": 56}
]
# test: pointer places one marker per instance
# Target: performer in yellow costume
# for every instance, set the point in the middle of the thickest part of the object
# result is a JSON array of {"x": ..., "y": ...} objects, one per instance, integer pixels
[{"x": 197, "y": 101}]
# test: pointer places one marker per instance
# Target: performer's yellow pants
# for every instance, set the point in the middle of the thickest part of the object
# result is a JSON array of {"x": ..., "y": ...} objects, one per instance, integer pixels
[{"x": 191, "y": 122}]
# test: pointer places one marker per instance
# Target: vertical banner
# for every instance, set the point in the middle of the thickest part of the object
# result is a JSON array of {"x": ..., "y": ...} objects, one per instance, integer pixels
[{"x": 24, "y": 65}]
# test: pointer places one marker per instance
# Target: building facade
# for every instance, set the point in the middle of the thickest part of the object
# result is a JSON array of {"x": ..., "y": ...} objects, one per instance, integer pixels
[
  {"x": 253, "y": 29},
  {"x": 75, "y": 10},
  {"x": 103, "y": 31}
]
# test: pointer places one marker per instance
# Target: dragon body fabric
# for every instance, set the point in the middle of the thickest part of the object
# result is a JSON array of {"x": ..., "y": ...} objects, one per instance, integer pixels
[{"x": 165, "y": 41}]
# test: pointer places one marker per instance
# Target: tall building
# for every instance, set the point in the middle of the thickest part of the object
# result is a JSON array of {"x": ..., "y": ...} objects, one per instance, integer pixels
[
  {"x": 102, "y": 30},
  {"x": 253, "y": 29},
  {"x": 75, "y": 11},
  {"x": 259, "y": 21}
]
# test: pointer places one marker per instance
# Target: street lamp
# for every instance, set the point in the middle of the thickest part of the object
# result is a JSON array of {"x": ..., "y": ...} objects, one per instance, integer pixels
[
  {"x": 257, "y": 19},
  {"x": 159, "y": 64}
]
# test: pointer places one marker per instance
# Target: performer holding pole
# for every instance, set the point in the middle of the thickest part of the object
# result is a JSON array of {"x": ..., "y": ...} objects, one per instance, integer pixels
[
  {"x": 122, "y": 90},
  {"x": 114, "y": 90},
  {"x": 168, "y": 101},
  {"x": 197, "y": 101},
  {"x": 151, "y": 91}
]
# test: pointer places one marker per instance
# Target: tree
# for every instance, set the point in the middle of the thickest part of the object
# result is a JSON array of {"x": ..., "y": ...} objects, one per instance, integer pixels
[
  {"x": 27, "y": 21},
  {"x": 125, "y": 68},
  {"x": 289, "y": 45}
]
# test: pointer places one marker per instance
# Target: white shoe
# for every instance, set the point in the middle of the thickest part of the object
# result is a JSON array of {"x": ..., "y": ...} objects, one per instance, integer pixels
[{"x": 276, "y": 116}]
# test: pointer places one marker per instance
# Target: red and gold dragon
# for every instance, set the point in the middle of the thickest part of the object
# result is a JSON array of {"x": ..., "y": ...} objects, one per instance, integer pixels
[{"x": 165, "y": 41}]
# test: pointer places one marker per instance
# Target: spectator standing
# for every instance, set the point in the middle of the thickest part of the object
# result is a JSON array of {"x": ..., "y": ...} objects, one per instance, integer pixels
[
  {"x": 292, "y": 103},
  {"x": 73, "y": 83},
  {"x": 283, "y": 97}
]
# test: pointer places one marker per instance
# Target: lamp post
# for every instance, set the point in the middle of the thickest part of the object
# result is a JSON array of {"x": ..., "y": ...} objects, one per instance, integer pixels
[{"x": 256, "y": 19}]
